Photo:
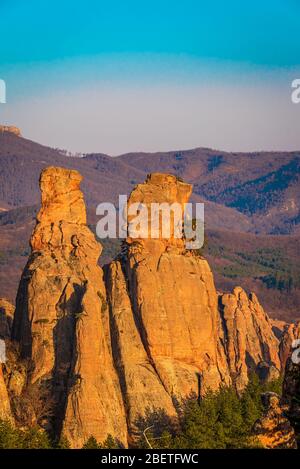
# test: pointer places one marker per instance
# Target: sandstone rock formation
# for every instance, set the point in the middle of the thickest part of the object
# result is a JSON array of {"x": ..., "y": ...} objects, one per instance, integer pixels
[
  {"x": 61, "y": 321},
  {"x": 166, "y": 297},
  {"x": 104, "y": 354},
  {"x": 143, "y": 391},
  {"x": 249, "y": 340},
  {"x": 273, "y": 430},
  {"x": 291, "y": 395},
  {"x": 6, "y": 317},
  {"x": 5, "y": 409},
  {"x": 11, "y": 129},
  {"x": 291, "y": 332},
  {"x": 172, "y": 304},
  {"x": 278, "y": 327}
]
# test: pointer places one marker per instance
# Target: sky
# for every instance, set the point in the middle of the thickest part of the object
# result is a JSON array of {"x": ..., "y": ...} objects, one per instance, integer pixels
[{"x": 115, "y": 77}]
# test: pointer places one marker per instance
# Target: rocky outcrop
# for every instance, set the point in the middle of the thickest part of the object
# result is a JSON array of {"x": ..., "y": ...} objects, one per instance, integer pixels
[
  {"x": 290, "y": 333},
  {"x": 11, "y": 129},
  {"x": 249, "y": 340},
  {"x": 61, "y": 320},
  {"x": 143, "y": 391},
  {"x": 291, "y": 394},
  {"x": 278, "y": 327},
  {"x": 103, "y": 355},
  {"x": 273, "y": 430},
  {"x": 6, "y": 317},
  {"x": 170, "y": 298},
  {"x": 168, "y": 322},
  {"x": 5, "y": 408}
]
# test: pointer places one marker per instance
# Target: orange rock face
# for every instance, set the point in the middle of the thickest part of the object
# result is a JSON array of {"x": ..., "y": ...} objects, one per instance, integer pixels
[
  {"x": 143, "y": 391},
  {"x": 291, "y": 394},
  {"x": 6, "y": 317},
  {"x": 59, "y": 316},
  {"x": 249, "y": 339},
  {"x": 159, "y": 189},
  {"x": 154, "y": 332},
  {"x": 180, "y": 322},
  {"x": 168, "y": 298},
  {"x": 273, "y": 430},
  {"x": 10, "y": 128},
  {"x": 5, "y": 409},
  {"x": 291, "y": 332}
]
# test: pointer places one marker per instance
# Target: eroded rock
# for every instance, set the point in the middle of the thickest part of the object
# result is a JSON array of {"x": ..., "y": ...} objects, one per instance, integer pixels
[
  {"x": 11, "y": 129},
  {"x": 273, "y": 430},
  {"x": 291, "y": 333},
  {"x": 163, "y": 300},
  {"x": 249, "y": 340},
  {"x": 6, "y": 318},
  {"x": 105, "y": 355},
  {"x": 5, "y": 408},
  {"x": 291, "y": 395},
  {"x": 59, "y": 320}
]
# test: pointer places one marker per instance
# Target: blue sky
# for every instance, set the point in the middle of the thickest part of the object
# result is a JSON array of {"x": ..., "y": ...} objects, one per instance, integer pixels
[
  {"x": 65, "y": 60},
  {"x": 259, "y": 32}
]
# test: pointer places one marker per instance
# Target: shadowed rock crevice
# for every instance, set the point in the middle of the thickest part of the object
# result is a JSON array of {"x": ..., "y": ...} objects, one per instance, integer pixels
[
  {"x": 69, "y": 310},
  {"x": 21, "y": 327},
  {"x": 7, "y": 311},
  {"x": 249, "y": 336},
  {"x": 130, "y": 275},
  {"x": 273, "y": 429},
  {"x": 139, "y": 381},
  {"x": 60, "y": 309}
]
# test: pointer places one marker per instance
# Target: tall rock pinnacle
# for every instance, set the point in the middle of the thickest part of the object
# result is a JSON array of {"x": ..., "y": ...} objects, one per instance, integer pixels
[
  {"x": 249, "y": 339},
  {"x": 165, "y": 311}
]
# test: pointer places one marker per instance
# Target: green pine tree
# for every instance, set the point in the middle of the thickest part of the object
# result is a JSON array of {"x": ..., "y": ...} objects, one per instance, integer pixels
[
  {"x": 63, "y": 443},
  {"x": 91, "y": 443},
  {"x": 110, "y": 443}
]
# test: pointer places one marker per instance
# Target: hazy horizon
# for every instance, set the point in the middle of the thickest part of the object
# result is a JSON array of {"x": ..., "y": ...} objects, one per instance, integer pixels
[{"x": 117, "y": 78}]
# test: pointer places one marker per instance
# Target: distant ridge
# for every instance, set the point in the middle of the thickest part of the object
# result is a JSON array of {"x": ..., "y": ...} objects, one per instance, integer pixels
[
  {"x": 248, "y": 192},
  {"x": 251, "y": 209}
]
